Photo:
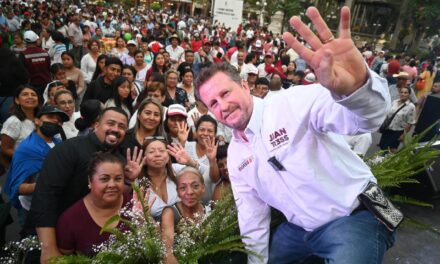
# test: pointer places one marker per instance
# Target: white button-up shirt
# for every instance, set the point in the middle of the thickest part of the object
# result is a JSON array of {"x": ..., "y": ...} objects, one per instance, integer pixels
[{"x": 300, "y": 127}]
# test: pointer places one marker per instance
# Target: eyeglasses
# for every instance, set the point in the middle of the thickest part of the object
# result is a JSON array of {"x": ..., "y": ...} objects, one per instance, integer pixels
[
  {"x": 149, "y": 138},
  {"x": 65, "y": 103}
]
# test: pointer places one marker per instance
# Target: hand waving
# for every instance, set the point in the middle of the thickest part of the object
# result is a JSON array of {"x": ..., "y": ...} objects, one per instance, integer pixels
[
  {"x": 211, "y": 148},
  {"x": 337, "y": 63},
  {"x": 134, "y": 163},
  {"x": 179, "y": 153},
  {"x": 183, "y": 132}
]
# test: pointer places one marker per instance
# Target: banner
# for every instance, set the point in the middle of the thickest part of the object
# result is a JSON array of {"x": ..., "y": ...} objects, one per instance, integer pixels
[{"x": 228, "y": 12}]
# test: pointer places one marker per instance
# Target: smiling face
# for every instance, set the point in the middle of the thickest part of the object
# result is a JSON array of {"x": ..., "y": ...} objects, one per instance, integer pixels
[
  {"x": 149, "y": 117},
  {"x": 190, "y": 189},
  {"x": 107, "y": 183},
  {"x": 111, "y": 128},
  {"x": 27, "y": 98},
  {"x": 156, "y": 155},
  {"x": 205, "y": 131},
  {"x": 230, "y": 102}
]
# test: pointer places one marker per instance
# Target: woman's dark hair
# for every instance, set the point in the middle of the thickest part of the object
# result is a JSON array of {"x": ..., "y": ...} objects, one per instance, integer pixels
[
  {"x": 57, "y": 19},
  {"x": 98, "y": 70},
  {"x": 54, "y": 68},
  {"x": 90, "y": 43},
  {"x": 131, "y": 68},
  {"x": 89, "y": 110},
  {"x": 57, "y": 36},
  {"x": 137, "y": 52},
  {"x": 142, "y": 105},
  {"x": 185, "y": 72},
  {"x": 169, "y": 169},
  {"x": 102, "y": 157},
  {"x": 222, "y": 151},
  {"x": 16, "y": 109},
  {"x": 68, "y": 53},
  {"x": 285, "y": 60},
  {"x": 405, "y": 87},
  {"x": 156, "y": 67},
  {"x": 118, "y": 81},
  {"x": 207, "y": 118}
]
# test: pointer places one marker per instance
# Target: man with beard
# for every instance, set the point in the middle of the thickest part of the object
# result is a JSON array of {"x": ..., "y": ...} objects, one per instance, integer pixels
[{"x": 63, "y": 177}]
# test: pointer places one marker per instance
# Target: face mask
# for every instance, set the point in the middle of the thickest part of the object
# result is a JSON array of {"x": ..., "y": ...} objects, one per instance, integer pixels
[{"x": 50, "y": 129}]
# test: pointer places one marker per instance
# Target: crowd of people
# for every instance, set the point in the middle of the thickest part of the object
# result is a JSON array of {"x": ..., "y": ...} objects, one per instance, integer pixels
[{"x": 83, "y": 82}]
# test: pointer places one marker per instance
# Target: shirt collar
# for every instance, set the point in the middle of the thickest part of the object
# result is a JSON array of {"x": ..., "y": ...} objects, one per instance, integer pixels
[{"x": 256, "y": 121}]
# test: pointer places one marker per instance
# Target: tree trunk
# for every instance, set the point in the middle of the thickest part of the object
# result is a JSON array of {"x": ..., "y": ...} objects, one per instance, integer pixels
[
  {"x": 395, "y": 38},
  {"x": 419, "y": 34}
]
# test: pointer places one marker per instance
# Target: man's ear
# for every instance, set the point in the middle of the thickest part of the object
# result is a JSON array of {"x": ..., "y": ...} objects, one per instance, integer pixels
[
  {"x": 245, "y": 85},
  {"x": 37, "y": 122}
]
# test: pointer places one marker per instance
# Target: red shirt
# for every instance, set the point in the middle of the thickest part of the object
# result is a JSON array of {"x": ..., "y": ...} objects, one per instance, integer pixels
[{"x": 196, "y": 45}]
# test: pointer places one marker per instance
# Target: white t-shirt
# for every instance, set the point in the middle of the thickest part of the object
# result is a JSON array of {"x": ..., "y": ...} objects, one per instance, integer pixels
[{"x": 17, "y": 130}]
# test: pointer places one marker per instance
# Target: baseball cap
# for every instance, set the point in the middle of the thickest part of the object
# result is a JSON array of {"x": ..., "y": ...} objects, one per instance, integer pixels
[
  {"x": 30, "y": 36},
  {"x": 174, "y": 36},
  {"x": 206, "y": 41},
  {"x": 176, "y": 109},
  {"x": 251, "y": 70},
  {"x": 132, "y": 42},
  {"x": 309, "y": 78},
  {"x": 49, "y": 109}
]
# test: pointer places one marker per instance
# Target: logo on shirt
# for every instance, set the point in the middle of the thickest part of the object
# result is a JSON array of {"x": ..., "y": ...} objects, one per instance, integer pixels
[
  {"x": 278, "y": 137},
  {"x": 245, "y": 163}
]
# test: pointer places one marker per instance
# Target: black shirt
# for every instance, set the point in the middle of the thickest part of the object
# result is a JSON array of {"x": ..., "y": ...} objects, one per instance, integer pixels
[
  {"x": 63, "y": 179},
  {"x": 99, "y": 90}
]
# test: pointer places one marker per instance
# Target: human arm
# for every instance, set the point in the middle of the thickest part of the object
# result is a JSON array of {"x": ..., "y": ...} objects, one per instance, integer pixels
[
  {"x": 81, "y": 83},
  {"x": 48, "y": 242},
  {"x": 85, "y": 69},
  {"x": 167, "y": 232},
  {"x": 8, "y": 143},
  {"x": 253, "y": 218},
  {"x": 211, "y": 152}
]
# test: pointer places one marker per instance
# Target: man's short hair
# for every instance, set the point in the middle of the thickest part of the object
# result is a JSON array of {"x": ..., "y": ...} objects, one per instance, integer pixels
[
  {"x": 207, "y": 73},
  {"x": 263, "y": 81},
  {"x": 113, "y": 108},
  {"x": 113, "y": 60}
]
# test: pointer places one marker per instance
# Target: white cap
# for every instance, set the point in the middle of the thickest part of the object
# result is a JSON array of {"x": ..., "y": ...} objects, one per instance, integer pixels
[
  {"x": 176, "y": 109},
  {"x": 30, "y": 36},
  {"x": 132, "y": 42},
  {"x": 310, "y": 78}
]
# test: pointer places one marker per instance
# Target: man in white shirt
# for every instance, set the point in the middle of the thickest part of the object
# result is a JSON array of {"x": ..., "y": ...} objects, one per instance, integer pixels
[
  {"x": 175, "y": 50},
  {"x": 287, "y": 152}
]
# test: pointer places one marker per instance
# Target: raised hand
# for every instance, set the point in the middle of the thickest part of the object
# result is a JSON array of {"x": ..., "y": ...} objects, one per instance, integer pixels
[
  {"x": 338, "y": 64},
  {"x": 211, "y": 148},
  {"x": 182, "y": 132},
  {"x": 179, "y": 153},
  {"x": 134, "y": 163}
]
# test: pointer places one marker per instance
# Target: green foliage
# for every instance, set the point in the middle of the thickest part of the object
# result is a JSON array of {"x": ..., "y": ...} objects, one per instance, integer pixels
[
  {"x": 218, "y": 232},
  {"x": 155, "y": 6},
  {"x": 392, "y": 170}
]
